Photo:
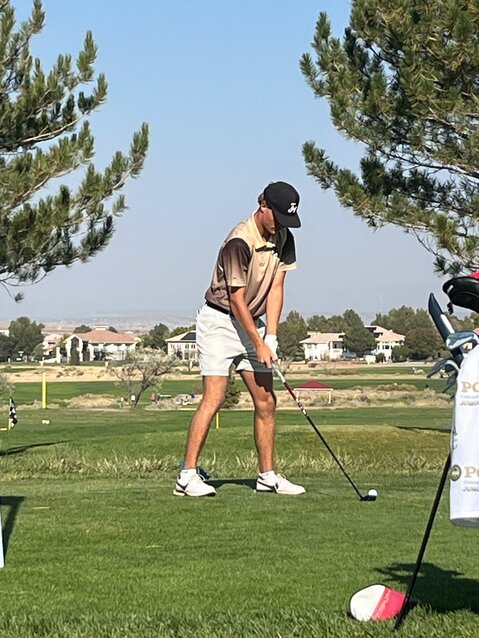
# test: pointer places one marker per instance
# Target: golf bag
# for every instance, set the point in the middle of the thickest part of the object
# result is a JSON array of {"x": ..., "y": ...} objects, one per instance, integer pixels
[
  {"x": 463, "y": 292},
  {"x": 464, "y": 476}
]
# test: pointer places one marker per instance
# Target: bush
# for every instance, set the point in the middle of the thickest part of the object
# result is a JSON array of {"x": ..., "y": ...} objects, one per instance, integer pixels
[{"x": 400, "y": 353}]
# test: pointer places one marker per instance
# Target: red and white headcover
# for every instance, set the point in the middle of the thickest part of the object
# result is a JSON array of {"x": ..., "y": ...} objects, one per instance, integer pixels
[{"x": 376, "y": 602}]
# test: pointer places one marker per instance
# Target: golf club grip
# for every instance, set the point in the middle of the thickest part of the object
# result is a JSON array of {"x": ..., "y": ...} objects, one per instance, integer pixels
[
  {"x": 437, "y": 315},
  {"x": 443, "y": 325}
]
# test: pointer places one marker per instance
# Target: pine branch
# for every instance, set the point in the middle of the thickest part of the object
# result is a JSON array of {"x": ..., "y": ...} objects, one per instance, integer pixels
[{"x": 44, "y": 134}]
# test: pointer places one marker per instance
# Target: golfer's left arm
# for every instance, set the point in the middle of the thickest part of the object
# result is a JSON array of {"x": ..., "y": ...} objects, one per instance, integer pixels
[
  {"x": 274, "y": 302},
  {"x": 243, "y": 316}
]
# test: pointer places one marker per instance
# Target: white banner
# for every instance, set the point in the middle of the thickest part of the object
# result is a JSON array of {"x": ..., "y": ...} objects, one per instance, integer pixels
[{"x": 464, "y": 494}]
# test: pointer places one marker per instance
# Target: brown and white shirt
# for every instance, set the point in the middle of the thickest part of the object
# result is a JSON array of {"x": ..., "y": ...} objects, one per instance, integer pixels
[{"x": 246, "y": 260}]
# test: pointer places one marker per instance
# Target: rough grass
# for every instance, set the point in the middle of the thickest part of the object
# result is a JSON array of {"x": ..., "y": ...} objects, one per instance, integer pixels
[
  {"x": 259, "y": 624},
  {"x": 67, "y": 463}
]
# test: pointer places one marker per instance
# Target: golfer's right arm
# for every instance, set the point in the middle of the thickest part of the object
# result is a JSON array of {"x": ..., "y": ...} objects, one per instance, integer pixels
[{"x": 243, "y": 315}]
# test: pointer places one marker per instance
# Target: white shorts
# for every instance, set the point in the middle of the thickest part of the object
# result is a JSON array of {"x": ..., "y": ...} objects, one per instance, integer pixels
[{"x": 221, "y": 341}]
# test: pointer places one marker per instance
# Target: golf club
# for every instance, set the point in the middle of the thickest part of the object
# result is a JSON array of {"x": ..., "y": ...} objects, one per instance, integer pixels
[
  {"x": 448, "y": 365},
  {"x": 458, "y": 339},
  {"x": 372, "y": 494}
]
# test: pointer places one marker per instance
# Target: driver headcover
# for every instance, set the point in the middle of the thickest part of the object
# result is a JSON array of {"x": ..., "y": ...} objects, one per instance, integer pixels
[{"x": 463, "y": 292}]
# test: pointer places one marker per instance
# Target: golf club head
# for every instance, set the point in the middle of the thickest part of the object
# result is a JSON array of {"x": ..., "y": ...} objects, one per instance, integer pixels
[
  {"x": 451, "y": 382},
  {"x": 448, "y": 365},
  {"x": 370, "y": 496},
  {"x": 451, "y": 367},
  {"x": 458, "y": 339}
]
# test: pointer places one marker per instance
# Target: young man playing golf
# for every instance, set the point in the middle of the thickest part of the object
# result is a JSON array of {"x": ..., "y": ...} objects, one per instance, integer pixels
[{"x": 247, "y": 283}]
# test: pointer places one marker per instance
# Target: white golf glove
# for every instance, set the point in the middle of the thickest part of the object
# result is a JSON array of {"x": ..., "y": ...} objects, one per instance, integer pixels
[{"x": 272, "y": 342}]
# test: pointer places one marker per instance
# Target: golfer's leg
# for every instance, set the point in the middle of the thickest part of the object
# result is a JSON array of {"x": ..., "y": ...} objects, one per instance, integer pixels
[
  {"x": 260, "y": 386},
  {"x": 214, "y": 389}
]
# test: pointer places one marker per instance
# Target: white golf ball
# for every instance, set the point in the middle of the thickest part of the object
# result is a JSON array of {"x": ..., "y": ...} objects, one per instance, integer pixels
[{"x": 372, "y": 493}]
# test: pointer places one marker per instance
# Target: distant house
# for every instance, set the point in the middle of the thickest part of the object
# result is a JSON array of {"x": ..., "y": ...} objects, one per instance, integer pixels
[
  {"x": 50, "y": 345},
  {"x": 183, "y": 346},
  {"x": 329, "y": 345},
  {"x": 323, "y": 345},
  {"x": 101, "y": 343},
  {"x": 386, "y": 340}
]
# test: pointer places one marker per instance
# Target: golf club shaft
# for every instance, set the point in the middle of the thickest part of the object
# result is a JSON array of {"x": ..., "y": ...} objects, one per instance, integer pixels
[
  {"x": 427, "y": 533},
  {"x": 280, "y": 375}
]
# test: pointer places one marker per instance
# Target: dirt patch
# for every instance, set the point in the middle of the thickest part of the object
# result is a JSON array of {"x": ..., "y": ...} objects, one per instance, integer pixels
[
  {"x": 93, "y": 401},
  {"x": 62, "y": 373},
  {"x": 75, "y": 373}
]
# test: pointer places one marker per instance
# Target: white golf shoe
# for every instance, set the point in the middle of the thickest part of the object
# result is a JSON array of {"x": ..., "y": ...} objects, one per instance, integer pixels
[
  {"x": 280, "y": 485},
  {"x": 194, "y": 487}
]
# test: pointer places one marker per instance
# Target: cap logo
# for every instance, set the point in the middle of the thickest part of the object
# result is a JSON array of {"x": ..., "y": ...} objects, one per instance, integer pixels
[{"x": 293, "y": 208}]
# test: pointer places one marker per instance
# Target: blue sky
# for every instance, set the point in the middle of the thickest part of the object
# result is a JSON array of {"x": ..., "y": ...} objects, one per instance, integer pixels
[{"x": 220, "y": 86}]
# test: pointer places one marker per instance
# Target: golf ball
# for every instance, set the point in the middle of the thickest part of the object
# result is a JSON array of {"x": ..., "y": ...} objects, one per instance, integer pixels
[{"x": 372, "y": 493}]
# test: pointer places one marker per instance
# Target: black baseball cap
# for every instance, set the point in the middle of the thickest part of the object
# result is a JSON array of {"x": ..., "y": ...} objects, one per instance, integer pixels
[{"x": 283, "y": 199}]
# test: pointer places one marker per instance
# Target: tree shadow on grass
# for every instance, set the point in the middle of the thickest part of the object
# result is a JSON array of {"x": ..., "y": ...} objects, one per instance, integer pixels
[
  {"x": 444, "y": 590},
  {"x": 21, "y": 449},
  {"x": 428, "y": 428},
  {"x": 217, "y": 483},
  {"x": 12, "y": 505}
]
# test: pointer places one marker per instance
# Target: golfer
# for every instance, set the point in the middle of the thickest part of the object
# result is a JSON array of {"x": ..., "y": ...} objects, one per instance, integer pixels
[{"x": 247, "y": 283}]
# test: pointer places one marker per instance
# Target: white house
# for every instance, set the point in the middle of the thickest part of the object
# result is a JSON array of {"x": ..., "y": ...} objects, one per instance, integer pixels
[
  {"x": 329, "y": 345},
  {"x": 50, "y": 342},
  {"x": 51, "y": 347},
  {"x": 101, "y": 343},
  {"x": 323, "y": 345},
  {"x": 386, "y": 340},
  {"x": 183, "y": 346}
]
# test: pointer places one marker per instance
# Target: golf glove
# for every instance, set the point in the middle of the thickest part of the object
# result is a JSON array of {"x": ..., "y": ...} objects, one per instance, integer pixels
[{"x": 272, "y": 342}]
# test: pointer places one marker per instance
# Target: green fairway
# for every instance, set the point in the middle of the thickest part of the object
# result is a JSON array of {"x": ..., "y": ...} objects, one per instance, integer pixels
[{"x": 98, "y": 546}]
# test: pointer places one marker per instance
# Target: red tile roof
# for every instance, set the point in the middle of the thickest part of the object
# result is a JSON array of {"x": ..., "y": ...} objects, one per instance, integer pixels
[{"x": 106, "y": 336}]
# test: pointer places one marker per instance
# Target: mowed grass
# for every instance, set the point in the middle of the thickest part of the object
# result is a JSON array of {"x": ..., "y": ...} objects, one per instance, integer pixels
[{"x": 98, "y": 546}]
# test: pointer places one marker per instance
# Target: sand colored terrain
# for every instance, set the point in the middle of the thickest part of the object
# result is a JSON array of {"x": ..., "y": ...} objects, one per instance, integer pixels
[
  {"x": 60, "y": 373},
  {"x": 104, "y": 372},
  {"x": 386, "y": 394}
]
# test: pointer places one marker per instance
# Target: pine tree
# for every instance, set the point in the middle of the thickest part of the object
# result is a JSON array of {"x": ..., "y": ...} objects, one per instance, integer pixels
[
  {"x": 404, "y": 84},
  {"x": 357, "y": 337},
  {"x": 44, "y": 135},
  {"x": 156, "y": 337},
  {"x": 25, "y": 334},
  {"x": 290, "y": 333}
]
